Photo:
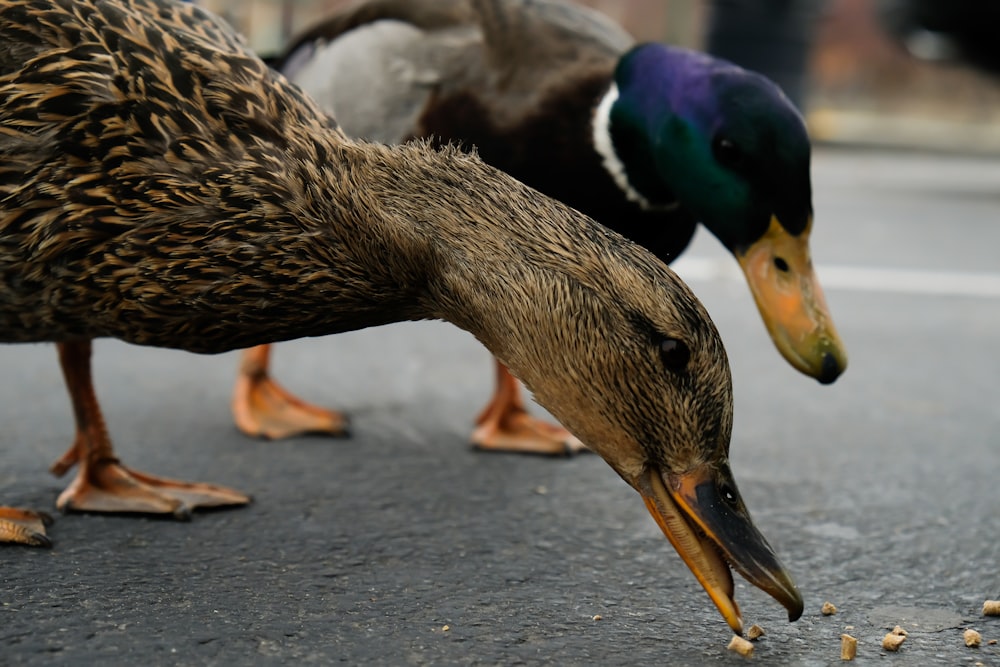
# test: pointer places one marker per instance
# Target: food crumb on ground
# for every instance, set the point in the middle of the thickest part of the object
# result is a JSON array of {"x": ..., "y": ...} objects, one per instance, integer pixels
[
  {"x": 596, "y": 617},
  {"x": 892, "y": 641},
  {"x": 848, "y": 647},
  {"x": 741, "y": 646},
  {"x": 445, "y": 628},
  {"x": 991, "y": 608},
  {"x": 828, "y": 609},
  {"x": 972, "y": 638},
  {"x": 755, "y": 632},
  {"x": 992, "y": 642}
]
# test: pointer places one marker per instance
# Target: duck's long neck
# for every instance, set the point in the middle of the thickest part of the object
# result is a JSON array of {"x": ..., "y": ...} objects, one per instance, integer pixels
[
  {"x": 374, "y": 235},
  {"x": 472, "y": 245}
]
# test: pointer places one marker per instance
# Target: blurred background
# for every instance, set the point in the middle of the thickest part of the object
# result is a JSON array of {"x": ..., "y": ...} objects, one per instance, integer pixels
[{"x": 901, "y": 73}]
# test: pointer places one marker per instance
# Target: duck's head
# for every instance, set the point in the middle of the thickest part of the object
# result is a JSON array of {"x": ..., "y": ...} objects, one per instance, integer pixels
[
  {"x": 683, "y": 128},
  {"x": 630, "y": 362}
]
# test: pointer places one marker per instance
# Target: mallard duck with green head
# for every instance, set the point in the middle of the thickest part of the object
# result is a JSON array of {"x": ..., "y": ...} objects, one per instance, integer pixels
[
  {"x": 160, "y": 185},
  {"x": 647, "y": 139}
]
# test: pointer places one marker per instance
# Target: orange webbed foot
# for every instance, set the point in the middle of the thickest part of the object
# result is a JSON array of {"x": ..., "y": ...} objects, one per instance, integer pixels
[
  {"x": 262, "y": 408},
  {"x": 20, "y": 526},
  {"x": 521, "y": 432},
  {"x": 104, "y": 485},
  {"x": 108, "y": 486},
  {"x": 506, "y": 426}
]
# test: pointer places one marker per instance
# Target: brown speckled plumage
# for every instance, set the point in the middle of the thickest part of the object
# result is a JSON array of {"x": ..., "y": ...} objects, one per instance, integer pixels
[{"x": 160, "y": 185}]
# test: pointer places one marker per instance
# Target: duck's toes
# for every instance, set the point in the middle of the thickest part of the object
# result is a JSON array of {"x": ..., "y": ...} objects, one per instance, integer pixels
[
  {"x": 108, "y": 486},
  {"x": 519, "y": 432},
  {"x": 262, "y": 408},
  {"x": 18, "y": 526}
]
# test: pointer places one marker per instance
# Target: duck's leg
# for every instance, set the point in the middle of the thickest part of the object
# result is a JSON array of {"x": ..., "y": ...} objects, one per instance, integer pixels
[
  {"x": 103, "y": 484},
  {"x": 24, "y": 527},
  {"x": 505, "y": 425},
  {"x": 262, "y": 408}
]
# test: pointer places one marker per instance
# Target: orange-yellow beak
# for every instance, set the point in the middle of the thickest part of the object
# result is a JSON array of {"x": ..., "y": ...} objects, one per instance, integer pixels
[
  {"x": 780, "y": 273},
  {"x": 703, "y": 516}
]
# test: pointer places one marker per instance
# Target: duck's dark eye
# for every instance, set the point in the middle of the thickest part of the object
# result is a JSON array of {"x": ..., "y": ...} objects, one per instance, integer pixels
[
  {"x": 727, "y": 153},
  {"x": 780, "y": 264},
  {"x": 675, "y": 353}
]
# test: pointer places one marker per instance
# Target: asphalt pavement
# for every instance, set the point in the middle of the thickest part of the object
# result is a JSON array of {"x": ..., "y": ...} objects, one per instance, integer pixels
[{"x": 401, "y": 545}]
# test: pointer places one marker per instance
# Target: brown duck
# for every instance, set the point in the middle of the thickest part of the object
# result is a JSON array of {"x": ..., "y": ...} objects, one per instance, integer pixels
[
  {"x": 159, "y": 184},
  {"x": 646, "y": 139}
]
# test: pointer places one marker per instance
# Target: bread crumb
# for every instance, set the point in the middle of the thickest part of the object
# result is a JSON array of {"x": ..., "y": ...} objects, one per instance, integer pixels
[
  {"x": 445, "y": 628},
  {"x": 991, "y": 608},
  {"x": 992, "y": 642},
  {"x": 899, "y": 631},
  {"x": 828, "y": 609},
  {"x": 741, "y": 646},
  {"x": 848, "y": 647},
  {"x": 972, "y": 638},
  {"x": 596, "y": 617},
  {"x": 755, "y": 632},
  {"x": 892, "y": 641}
]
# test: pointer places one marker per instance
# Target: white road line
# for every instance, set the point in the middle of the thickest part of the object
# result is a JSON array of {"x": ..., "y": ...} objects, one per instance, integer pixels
[{"x": 860, "y": 278}]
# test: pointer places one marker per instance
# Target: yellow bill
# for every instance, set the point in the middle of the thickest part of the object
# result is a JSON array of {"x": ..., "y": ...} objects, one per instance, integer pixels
[
  {"x": 779, "y": 270},
  {"x": 703, "y": 516}
]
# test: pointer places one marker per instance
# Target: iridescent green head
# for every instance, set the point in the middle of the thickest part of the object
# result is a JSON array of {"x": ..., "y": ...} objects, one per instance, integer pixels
[{"x": 726, "y": 145}]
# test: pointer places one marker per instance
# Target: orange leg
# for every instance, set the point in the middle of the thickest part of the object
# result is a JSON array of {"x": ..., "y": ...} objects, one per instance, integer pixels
[
  {"x": 505, "y": 425},
  {"x": 102, "y": 483},
  {"x": 24, "y": 527},
  {"x": 262, "y": 408}
]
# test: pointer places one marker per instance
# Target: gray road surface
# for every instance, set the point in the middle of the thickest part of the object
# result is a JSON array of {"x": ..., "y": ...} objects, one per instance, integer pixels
[{"x": 879, "y": 492}]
